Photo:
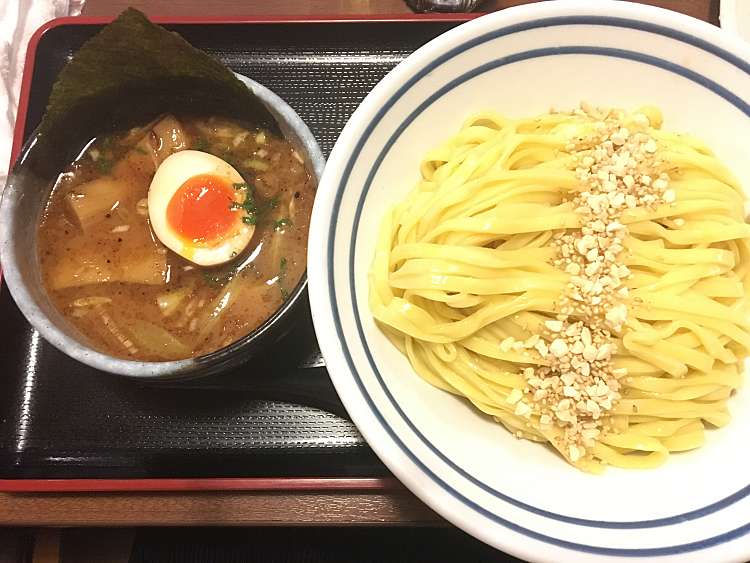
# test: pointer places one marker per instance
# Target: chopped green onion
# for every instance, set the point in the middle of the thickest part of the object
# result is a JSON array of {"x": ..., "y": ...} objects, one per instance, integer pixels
[
  {"x": 201, "y": 144},
  {"x": 104, "y": 165},
  {"x": 282, "y": 277}
]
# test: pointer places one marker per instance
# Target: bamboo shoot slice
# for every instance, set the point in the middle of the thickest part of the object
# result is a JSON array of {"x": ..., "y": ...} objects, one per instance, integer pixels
[
  {"x": 169, "y": 137},
  {"x": 88, "y": 204}
]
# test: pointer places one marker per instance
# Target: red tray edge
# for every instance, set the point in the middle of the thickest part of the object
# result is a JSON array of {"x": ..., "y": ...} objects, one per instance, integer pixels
[
  {"x": 250, "y": 484},
  {"x": 309, "y": 484}
]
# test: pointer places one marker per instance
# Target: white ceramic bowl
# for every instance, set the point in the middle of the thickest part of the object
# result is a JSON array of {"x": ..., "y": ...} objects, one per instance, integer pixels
[
  {"x": 516, "y": 495},
  {"x": 22, "y": 203}
]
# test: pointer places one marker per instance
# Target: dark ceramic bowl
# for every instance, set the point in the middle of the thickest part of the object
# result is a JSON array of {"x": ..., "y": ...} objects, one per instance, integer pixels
[{"x": 24, "y": 198}]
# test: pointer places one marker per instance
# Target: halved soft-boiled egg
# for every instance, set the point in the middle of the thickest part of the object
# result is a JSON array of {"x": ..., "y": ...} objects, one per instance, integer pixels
[{"x": 201, "y": 208}]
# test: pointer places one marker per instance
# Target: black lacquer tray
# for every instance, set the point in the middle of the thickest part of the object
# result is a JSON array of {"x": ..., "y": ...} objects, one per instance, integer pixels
[{"x": 276, "y": 423}]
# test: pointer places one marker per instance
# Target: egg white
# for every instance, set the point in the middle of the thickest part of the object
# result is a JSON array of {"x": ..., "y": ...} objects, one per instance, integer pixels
[{"x": 173, "y": 173}]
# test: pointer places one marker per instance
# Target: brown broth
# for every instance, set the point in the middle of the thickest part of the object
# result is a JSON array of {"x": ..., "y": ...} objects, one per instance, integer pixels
[{"x": 106, "y": 272}]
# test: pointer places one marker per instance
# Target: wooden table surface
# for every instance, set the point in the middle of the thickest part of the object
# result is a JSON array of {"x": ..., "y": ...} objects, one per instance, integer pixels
[
  {"x": 707, "y": 10},
  {"x": 247, "y": 508}
]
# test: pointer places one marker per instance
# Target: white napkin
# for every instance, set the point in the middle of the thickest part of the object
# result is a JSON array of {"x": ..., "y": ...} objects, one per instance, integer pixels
[
  {"x": 18, "y": 21},
  {"x": 734, "y": 16}
]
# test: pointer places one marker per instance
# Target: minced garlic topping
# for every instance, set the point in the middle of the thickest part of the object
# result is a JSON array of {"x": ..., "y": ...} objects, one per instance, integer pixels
[{"x": 618, "y": 169}]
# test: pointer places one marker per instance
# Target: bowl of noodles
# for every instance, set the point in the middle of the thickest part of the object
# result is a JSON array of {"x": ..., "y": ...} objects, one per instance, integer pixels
[{"x": 532, "y": 286}]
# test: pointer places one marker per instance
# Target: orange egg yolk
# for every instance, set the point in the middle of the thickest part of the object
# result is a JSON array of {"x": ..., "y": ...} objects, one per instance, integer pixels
[{"x": 201, "y": 208}]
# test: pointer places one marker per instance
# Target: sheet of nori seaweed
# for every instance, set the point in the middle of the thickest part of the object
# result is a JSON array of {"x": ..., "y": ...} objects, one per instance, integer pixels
[{"x": 127, "y": 74}]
